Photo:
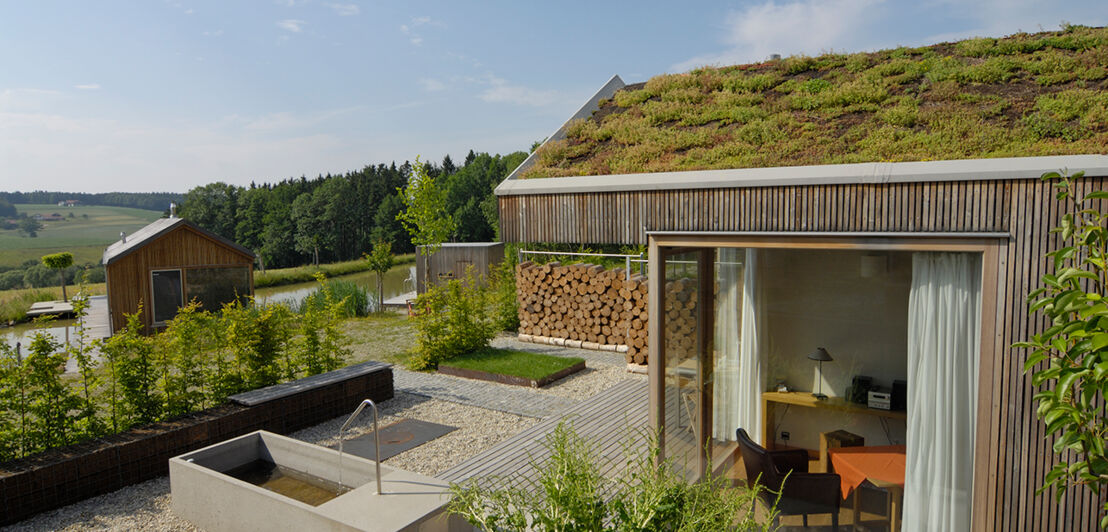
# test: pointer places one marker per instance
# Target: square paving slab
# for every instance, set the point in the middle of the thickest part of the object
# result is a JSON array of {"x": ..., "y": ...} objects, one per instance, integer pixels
[{"x": 395, "y": 438}]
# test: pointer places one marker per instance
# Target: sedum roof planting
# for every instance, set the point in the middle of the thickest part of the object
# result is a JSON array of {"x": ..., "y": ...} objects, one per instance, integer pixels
[{"x": 1022, "y": 95}]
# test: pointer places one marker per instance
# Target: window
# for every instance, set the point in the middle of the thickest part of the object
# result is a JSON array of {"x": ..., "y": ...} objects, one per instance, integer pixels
[
  {"x": 166, "y": 285},
  {"x": 214, "y": 287}
]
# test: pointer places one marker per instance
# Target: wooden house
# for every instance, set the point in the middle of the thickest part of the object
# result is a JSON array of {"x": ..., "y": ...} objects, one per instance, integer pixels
[
  {"x": 453, "y": 260},
  {"x": 169, "y": 263},
  {"x": 819, "y": 226}
]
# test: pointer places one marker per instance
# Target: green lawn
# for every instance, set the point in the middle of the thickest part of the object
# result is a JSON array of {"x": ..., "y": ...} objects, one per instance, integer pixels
[
  {"x": 86, "y": 238},
  {"x": 510, "y": 362}
]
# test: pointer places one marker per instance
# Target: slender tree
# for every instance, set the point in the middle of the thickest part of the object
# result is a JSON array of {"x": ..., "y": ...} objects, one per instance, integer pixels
[
  {"x": 425, "y": 216},
  {"x": 59, "y": 262},
  {"x": 380, "y": 261}
]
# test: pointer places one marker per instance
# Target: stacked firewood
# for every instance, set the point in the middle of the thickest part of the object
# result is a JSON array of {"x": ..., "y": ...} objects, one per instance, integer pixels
[
  {"x": 585, "y": 303},
  {"x": 680, "y": 305}
]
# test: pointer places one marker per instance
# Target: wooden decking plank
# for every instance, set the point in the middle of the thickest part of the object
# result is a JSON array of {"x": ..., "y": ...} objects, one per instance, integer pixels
[
  {"x": 515, "y": 456},
  {"x": 514, "y": 451}
]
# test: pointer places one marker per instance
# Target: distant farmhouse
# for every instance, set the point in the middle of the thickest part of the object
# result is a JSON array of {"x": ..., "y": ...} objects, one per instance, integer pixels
[
  {"x": 69, "y": 203},
  {"x": 169, "y": 263}
]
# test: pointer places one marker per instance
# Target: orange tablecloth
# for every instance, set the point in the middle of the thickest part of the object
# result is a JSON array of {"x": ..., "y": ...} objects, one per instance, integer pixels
[{"x": 856, "y": 464}]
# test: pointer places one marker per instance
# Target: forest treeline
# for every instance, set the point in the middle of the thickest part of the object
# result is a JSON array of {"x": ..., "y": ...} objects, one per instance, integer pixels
[
  {"x": 151, "y": 201},
  {"x": 339, "y": 217}
]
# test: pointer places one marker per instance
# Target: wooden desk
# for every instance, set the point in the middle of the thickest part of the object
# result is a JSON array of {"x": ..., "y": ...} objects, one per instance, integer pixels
[{"x": 770, "y": 400}]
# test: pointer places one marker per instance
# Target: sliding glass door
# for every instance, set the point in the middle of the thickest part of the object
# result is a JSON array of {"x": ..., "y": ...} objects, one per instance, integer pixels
[{"x": 855, "y": 354}]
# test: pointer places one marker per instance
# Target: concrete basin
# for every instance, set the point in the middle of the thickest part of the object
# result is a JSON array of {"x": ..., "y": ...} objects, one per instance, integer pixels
[{"x": 206, "y": 492}]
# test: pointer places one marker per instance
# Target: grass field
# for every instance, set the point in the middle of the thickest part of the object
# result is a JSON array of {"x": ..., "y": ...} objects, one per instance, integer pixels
[{"x": 86, "y": 238}]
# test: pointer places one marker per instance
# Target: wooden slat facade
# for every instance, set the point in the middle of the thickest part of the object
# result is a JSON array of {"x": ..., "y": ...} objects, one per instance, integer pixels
[
  {"x": 183, "y": 247},
  {"x": 1024, "y": 209}
]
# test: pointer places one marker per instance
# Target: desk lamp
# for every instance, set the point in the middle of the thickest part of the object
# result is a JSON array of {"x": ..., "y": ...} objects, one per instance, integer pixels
[{"x": 820, "y": 355}]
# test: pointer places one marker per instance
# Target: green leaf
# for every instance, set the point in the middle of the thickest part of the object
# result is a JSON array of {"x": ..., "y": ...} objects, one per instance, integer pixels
[
  {"x": 1098, "y": 194},
  {"x": 1033, "y": 360}
]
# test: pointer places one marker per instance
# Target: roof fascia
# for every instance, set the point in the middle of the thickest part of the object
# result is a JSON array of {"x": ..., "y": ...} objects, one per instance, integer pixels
[{"x": 1003, "y": 169}]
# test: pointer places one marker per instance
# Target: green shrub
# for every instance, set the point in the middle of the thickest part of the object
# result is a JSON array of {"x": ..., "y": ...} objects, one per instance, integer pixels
[
  {"x": 570, "y": 493},
  {"x": 502, "y": 285},
  {"x": 453, "y": 318},
  {"x": 10, "y": 280}
]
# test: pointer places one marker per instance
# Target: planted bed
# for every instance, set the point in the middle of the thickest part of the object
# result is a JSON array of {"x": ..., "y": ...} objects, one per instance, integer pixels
[{"x": 509, "y": 366}]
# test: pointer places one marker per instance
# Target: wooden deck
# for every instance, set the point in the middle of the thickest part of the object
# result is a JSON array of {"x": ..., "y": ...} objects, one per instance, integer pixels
[{"x": 606, "y": 420}]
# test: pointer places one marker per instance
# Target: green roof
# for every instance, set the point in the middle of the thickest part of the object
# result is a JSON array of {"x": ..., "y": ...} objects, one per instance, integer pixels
[{"x": 1022, "y": 95}]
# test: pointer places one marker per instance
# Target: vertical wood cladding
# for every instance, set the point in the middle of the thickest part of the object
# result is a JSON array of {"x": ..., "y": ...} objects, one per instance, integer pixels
[
  {"x": 1025, "y": 209},
  {"x": 183, "y": 247}
]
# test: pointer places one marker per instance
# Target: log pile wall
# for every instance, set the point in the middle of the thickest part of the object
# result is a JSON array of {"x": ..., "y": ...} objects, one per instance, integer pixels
[{"x": 584, "y": 303}]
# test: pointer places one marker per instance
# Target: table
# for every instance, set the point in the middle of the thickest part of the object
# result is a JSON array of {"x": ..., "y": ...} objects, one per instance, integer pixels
[
  {"x": 882, "y": 467},
  {"x": 771, "y": 399}
]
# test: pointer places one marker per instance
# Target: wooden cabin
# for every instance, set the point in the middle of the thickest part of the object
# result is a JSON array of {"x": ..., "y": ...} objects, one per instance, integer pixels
[
  {"x": 823, "y": 267},
  {"x": 453, "y": 259},
  {"x": 169, "y": 263}
]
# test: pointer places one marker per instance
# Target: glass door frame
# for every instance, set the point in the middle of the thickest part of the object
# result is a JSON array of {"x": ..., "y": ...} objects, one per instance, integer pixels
[{"x": 992, "y": 246}]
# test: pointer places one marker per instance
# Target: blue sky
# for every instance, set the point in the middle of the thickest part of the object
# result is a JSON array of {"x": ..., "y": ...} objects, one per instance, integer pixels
[{"x": 168, "y": 95}]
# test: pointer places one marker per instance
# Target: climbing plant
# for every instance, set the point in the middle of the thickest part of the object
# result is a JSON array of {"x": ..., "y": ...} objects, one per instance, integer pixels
[{"x": 1068, "y": 361}]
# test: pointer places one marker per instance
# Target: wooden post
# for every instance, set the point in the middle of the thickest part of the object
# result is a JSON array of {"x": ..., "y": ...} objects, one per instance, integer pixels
[
  {"x": 656, "y": 362},
  {"x": 705, "y": 364}
]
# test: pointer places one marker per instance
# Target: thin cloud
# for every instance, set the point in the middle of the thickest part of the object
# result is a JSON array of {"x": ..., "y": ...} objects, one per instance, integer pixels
[
  {"x": 291, "y": 24},
  {"x": 345, "y": 10},
  {"x": 500, "y": 91},
  {"x": 801, "y": 27},
  {"x": 431, "y": 85},
  {"x": 87, "y": 86},
  {"x": 414, "y": 36},
  {"x": 811, "y": 27}
]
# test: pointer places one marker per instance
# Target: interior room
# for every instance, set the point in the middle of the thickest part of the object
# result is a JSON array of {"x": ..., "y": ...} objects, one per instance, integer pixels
[{"x": 857, "y": 367}]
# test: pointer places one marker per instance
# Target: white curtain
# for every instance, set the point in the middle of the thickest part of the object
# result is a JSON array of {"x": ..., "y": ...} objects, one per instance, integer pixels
[
  {"x": 737, "y": 399},
  {"x": 944, "y": 314}
]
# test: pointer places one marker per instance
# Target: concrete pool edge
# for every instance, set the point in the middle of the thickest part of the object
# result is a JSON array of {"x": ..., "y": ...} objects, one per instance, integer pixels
[{"x": 216, "y": 502}]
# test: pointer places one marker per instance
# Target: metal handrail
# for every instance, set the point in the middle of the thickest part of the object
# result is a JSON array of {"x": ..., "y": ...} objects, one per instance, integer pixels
[
  {"x": 626, "y": 258},
  {"x": 376, "y": 439}
]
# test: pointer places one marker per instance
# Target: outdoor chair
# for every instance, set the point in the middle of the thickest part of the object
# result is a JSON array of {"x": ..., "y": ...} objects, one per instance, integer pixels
[{"x": 804, "y": 493}]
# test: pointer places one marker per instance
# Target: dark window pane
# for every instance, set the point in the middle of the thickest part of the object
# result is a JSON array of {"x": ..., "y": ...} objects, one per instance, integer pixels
[
  {"x": 214, "y": 287},
  {"x": 167, "y": 294}
]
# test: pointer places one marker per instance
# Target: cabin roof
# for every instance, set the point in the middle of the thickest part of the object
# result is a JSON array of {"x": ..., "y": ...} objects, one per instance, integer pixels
[
  {"x": 155, "y": 230},
  {"x": 1022, "y": 96}
]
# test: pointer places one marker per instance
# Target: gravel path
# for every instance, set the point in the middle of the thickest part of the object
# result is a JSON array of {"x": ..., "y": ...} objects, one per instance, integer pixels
[{"x": 146, "y": 506}]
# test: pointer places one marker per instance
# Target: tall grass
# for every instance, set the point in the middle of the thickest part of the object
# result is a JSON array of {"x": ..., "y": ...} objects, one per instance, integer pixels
[
  {"x": 305, "y": 274},
  {"x": 356, "y": 300},
  {"x": 14, "y": 304}
]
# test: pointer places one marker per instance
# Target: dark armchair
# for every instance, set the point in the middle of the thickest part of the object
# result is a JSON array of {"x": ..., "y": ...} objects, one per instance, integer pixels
[{"x": 804, "y": 493}]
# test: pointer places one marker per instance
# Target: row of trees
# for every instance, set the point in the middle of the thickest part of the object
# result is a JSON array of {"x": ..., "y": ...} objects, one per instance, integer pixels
[
  {"x": 340, "y": 217},
  {"x": 196, "y": 362},
  {"x": 151, "y": 201}
]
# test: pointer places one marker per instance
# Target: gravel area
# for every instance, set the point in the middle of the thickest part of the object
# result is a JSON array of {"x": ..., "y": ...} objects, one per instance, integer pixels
[{"x": 146, "y": 506}]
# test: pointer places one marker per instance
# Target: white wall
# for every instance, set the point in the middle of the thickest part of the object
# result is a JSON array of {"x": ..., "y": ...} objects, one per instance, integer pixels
[{"x": 819, "y": 298}]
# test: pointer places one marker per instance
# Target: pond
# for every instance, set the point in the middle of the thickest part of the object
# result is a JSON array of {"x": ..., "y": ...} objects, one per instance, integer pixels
[
  {"x": 63, "y": 331},
  {"x": 291, "y": 294}
]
